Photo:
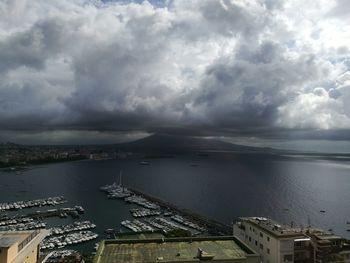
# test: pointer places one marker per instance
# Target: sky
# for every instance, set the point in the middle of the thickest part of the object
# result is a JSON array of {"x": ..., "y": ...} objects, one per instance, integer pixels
[{"x": 262, "y": 72}]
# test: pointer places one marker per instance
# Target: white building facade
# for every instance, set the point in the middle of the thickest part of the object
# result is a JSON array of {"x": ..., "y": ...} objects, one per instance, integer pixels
[{"x": 274, "y": 243}]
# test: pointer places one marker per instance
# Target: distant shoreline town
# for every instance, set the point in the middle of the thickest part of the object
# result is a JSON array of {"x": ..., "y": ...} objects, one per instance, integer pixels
[
  {"x": 154, "y": 146},
  {"x": 16, "y": 156}
]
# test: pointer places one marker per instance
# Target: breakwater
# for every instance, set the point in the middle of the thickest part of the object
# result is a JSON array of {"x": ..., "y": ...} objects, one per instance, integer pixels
[{"x": 213, "y": 227}]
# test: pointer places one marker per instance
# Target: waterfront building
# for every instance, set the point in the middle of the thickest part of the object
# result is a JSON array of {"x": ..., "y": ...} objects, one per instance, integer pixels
[
  {"x": 328, "y": 247},
  {"x": 275, "y": 243},
  {"x": 20, "y": 246},
  {"x": 189, "y": 249},
  {"x": 280, "y": 243}
]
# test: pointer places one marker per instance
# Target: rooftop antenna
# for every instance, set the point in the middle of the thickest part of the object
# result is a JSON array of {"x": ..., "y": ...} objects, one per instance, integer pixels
[
  {"x": 233, "y": 228},
  {"x": 308, "y": 222}
]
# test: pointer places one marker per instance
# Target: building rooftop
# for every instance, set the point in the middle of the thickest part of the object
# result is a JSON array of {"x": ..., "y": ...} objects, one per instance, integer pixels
[
  {"x": 7, "y": 239},
  {"x": 172, "y": 250},
  {"x": 328, "y": 237},
  {"x": 273, "y": 227}
]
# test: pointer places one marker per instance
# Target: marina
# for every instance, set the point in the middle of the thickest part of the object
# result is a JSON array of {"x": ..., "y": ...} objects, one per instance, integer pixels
[
  {"x": 59, "y": 236},
  {"x": 206, "y": 225},
  {"x": 155, "y": 214},
  {"x": 80, "y": 182}
]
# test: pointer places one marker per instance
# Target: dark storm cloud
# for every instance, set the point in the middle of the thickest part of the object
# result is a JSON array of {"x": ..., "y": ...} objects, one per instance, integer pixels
[
  {"x": 204, "y": 67},
  {"x": 31, "y": 48},
  {"x": 245, "y": 90}
]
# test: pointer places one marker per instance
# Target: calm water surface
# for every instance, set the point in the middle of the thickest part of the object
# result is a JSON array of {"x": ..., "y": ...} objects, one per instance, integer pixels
[{"x": 222, "y": 187}]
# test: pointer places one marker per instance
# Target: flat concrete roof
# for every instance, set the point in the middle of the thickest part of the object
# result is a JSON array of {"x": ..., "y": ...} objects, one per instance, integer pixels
[
  {"x": 170, "y": 250},
  {"x": 7, "y": 239},
  {"x": 273, "y": 228}
]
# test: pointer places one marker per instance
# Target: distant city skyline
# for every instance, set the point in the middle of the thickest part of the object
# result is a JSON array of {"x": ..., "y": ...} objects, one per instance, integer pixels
[{"x": 267, "y": 73}]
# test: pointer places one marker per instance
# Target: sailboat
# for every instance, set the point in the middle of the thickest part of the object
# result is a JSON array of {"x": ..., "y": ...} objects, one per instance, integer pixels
[
  {"x": 120, "y": 178},
  {"x": 118, "y": 191}
]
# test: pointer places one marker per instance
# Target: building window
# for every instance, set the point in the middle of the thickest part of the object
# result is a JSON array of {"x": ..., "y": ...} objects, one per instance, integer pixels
[
  {"x": 250, "y": 228},
  {"x": 261, "y": 246},
  {"x": 268, "y": 250},
  {"x": 256, "y": 243},
  {"x": 268, "y": 238},
  {"x": 261, "y": 234},
  {"x": 250, "y": 239}
]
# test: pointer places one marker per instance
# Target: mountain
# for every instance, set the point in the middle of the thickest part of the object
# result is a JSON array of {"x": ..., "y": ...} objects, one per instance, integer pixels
[{"x": 173, "y": 143}]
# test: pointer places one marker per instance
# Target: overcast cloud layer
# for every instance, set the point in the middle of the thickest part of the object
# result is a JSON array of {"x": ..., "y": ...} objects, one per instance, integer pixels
[{"x": 260, "y": 68}]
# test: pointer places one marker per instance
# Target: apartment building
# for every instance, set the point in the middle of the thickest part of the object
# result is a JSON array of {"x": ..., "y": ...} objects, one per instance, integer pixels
[
  {"x": 274, "y": 242},
  {"x": 20, "y": 246},
  {"x": 277, "y": 243}
]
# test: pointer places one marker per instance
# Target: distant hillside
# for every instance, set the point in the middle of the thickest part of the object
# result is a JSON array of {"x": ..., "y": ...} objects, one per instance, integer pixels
[{"x": 171, "y": 143}]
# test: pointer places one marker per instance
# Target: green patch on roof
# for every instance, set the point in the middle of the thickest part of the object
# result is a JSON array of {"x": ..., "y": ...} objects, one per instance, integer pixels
[{"x": 168, "y": 251}]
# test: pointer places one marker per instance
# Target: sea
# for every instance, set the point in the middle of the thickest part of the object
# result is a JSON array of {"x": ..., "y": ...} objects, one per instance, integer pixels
[{"x": 221, "y": 186}]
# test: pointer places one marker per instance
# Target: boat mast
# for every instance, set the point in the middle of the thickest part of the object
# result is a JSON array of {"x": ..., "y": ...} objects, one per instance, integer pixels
[{"x": 120, "y": 178}]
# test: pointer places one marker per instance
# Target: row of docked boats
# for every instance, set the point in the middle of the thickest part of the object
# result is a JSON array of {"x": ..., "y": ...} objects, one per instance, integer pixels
[
  {"x": 17, "y": 205},
  {"x": 137, "y": 226},
  {"x": 6, "y": 221},
  {"x": 76, "y": 226},
  {"x": 159, "y": 220},
  {"x": 141, "y": 201},
  {"x": 61, "y": 256},
  {"x": 151, "y": 224},
  {"x": 63, "y": 253},
  {"x": 188, "y": 223},
  {"x": 144, "y": 212},
  {"x": 62, "y": 241},
  {"x": 164, "y": 224},
  {"x": 23, "y": 226}
]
